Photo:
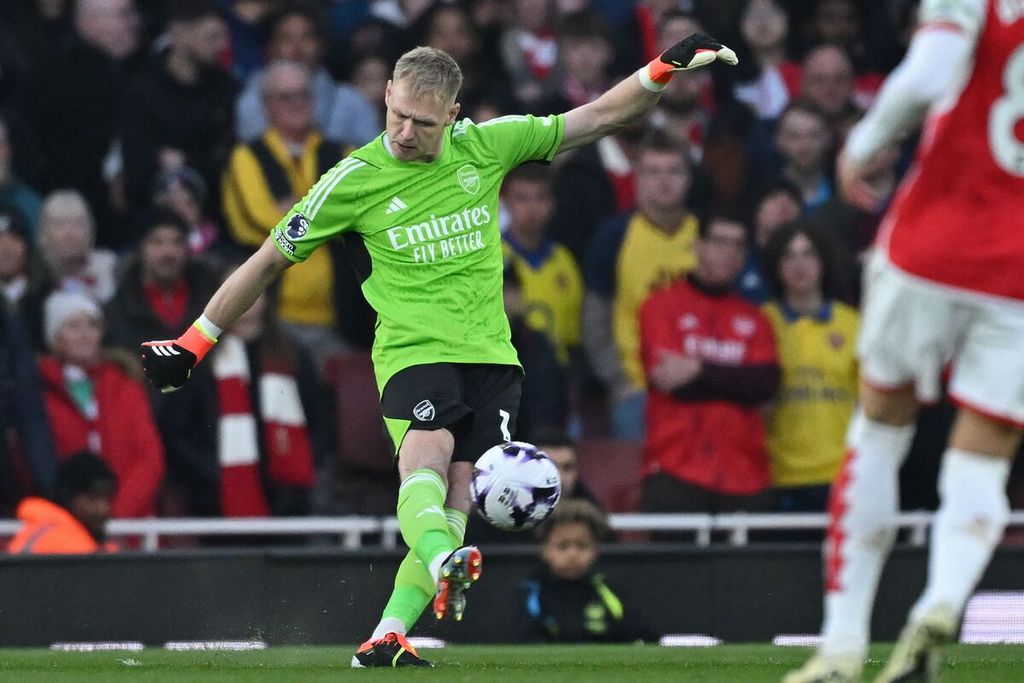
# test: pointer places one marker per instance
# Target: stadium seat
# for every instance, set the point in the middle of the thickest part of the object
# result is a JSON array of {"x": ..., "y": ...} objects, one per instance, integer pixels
[
  {"x": 365, "y": 471},
  {"x": 611, "y": 470}
]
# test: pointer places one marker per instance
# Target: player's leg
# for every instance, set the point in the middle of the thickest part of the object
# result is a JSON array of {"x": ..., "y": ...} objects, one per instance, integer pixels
[
  {"x": 905, "y": 339},
  {"x": 972, "y": 515},
  {"x": 422, "y": 405},
  {"x": 863, "y": 504},
  {"x": 414, "y": 587},
  {"x": 988, "y": 383}
]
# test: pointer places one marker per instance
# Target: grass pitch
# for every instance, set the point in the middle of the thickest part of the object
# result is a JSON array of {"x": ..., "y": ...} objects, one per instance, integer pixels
[{"x": 473, "y": 664}]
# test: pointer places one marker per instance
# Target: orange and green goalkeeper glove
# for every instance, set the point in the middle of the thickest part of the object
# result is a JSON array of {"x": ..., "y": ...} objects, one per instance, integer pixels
[{"x": 692, "y": 52}]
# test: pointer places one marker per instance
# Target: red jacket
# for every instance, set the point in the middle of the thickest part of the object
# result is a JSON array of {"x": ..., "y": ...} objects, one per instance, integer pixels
[
  {"x": 48, "y": 529},
  {"x": 128, "y": 438},
  {"x": 710, "y": 433}
]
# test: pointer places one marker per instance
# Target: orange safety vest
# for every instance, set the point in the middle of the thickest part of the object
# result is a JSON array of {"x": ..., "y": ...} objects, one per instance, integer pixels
[{"x": 50, "y": 529}]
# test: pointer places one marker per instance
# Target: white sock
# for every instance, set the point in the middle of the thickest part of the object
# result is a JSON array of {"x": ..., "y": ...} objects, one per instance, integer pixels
[
  {"x": 386, "y": 626},
  {"x": 968, "y": 526},
  {"x": 863, "y": 504}
]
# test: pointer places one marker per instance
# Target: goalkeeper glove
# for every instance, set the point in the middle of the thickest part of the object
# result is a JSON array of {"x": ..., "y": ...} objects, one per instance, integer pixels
[
  {"x": 169, "y": 363},
  {"x": 690, "y": 53}
]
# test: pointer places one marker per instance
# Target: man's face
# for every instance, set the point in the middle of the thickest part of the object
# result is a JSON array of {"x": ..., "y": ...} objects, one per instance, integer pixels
[
  {"x": 288, "y": 100},
  {"x": 662, "y": 180},
  {"x": 565, "y": 460},
  {"x": 828, "y": 79},
  {"x": 93, "y": 510},
  {"x": 764, "y": 24},
  {"x": 204, "y": 40},
  {"x": 836, "y": 22},
  {"x": 803, "y": 140},
  {"x": 529, "y": 204},
  {"x": 111, "y": 25},
  {"x": 164, "y": 255},
  {"x": 67, "y": 241},
  {"x": 586, "y": 59},
  {"x": 450, "y": 31},
  {"x": 415, "y": 123},
  {"x": 295, "y": 39},
  {"x": 721, "y": 252},
  {"x": 570, "y": 551}
]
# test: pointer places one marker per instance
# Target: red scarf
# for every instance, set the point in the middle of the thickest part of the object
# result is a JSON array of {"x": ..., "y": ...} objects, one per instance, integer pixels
[{"x": 288, "y": 453}]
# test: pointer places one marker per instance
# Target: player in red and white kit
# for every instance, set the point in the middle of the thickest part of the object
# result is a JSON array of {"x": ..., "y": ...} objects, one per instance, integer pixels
[{"x": 945, "y": 289}]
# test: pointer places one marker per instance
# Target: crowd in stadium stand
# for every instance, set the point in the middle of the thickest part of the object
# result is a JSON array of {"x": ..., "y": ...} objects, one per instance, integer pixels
[{"x": 683, "y": 294}]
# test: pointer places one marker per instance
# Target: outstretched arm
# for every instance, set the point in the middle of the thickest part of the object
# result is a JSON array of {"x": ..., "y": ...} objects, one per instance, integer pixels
[
  {"x": 632, "y": 97},
  {"x": 169, "y": 363}
]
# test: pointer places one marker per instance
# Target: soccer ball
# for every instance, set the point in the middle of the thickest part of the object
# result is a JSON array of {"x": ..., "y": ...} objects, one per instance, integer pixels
[{"x": 515, "y": 486}]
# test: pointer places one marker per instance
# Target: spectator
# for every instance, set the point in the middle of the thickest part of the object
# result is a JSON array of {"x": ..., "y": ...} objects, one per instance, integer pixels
[
  {"x": 552, "y": 286},
  {"x": 27, "y": 446},
  {"x": 567, "y": 599},
  {"x": 779, "y": 203},
  {"x": 803, "y": 140},
  {"x": 562, "y": 451},
  {"x": 24, "y": 283},
  {"x": 451, "y": 28},
  {"x": 710, "y": 361},
  {"x": 75, "y": 520},
  {"x": 544, "y": 401},
  {"x": 773, "y": 78},
  {"x": 264, "y": 180},
  {"x": 816, "y": 336},
  {"x": 630, "y": 256},
  {"x": 161, "y": 287},
  {"x": 828, "y": 83},
  {"x": 179, "y": 110},
  {"x": 183, "y": 191},
  {"x": 67, "y": 245},
  {"x": 713, "y": 128},
  {"x": 76, "y": 114},
  {"x": 272, "y": 417},
  {"x": 585, "y": 54},
  {"x": 530, "y": 49},
  {"x": 296, "y": 34},
  {"x": 13, "y": 192},
  {"x": 97, "y": 403},
  {"x": 245, "y": 19},
  {"x": 370, "y": 76}
]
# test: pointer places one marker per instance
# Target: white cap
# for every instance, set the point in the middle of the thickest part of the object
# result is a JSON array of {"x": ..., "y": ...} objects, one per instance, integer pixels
[{"x": 62, "y": 305}]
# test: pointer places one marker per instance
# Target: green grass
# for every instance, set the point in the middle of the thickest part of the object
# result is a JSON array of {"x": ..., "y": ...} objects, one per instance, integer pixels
[{"x": 508, "y": 664}]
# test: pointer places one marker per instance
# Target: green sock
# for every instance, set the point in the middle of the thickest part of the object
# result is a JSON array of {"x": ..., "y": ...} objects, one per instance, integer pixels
[
  {"x": 421, "y": 516},
  {"x": 414, "y": 587}
]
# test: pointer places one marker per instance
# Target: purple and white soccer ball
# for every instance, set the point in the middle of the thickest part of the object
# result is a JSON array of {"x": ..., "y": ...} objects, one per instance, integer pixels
[{"x": 515, "y": 486}]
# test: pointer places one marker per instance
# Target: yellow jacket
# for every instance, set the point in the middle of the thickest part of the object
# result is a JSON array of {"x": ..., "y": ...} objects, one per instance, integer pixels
[{"x": 261, "y": 179}]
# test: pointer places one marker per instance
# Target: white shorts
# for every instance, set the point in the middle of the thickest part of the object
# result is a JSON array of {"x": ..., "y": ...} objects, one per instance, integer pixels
[{"x": 912, "y": 329}]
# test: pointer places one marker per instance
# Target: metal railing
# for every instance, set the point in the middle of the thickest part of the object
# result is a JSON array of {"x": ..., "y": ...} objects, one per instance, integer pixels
[{"x": 352, "y": 531}]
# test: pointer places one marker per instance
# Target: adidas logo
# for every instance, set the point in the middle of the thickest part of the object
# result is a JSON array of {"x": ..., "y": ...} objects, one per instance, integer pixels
[{"x": 396, "y": 205}]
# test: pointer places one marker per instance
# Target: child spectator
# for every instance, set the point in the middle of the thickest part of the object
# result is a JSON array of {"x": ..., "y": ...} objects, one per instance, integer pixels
[
  {"x": 567, "y": 600},
  {"x": 75, "y": 520}
]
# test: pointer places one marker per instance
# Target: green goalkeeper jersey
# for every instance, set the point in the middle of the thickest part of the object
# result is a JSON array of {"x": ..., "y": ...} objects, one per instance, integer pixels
[{"x": 430, "y": 231}]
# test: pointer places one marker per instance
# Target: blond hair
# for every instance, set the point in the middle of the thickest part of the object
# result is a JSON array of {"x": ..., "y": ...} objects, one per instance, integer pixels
[{"x": 429, "y": 71}]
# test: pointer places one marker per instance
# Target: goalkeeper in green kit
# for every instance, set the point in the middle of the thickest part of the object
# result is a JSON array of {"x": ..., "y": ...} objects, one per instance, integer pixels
[{"x": 418, "y": 207}]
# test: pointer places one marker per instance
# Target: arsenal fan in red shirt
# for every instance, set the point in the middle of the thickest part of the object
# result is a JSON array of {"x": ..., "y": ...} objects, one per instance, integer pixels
[{"x": 709, "y": 358}]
